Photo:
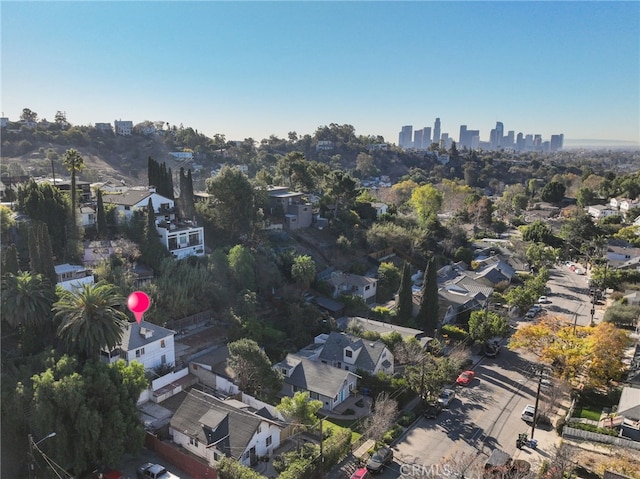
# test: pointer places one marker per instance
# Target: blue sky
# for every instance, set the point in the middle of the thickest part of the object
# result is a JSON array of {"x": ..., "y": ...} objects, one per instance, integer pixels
[{"x": 253, "y": 69}]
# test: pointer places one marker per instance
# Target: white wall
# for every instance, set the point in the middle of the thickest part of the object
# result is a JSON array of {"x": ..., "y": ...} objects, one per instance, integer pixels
[{"x": 153, "y": 353}]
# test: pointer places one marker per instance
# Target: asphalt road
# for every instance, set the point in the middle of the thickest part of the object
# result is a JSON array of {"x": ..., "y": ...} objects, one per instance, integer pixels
[{"x": 570, "y": 296}]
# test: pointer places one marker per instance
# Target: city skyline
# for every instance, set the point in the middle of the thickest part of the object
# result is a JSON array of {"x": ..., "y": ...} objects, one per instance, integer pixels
[
  {"x": 255, "y": 69},
  {"x": 422, "y": 139}
]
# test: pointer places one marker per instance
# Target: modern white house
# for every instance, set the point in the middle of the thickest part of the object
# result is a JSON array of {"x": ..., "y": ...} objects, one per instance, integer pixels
[
  {"x": 212, "y": 428},
  {"x": 181, "y": 238},
  {"x": 147, "y": 343},
  {"x": 73, "y": 276},
  {"x": 123, "y": 128},
  {"x": 355, "y": 285},
  {"x": 325, "y": 383},
  {"x": 87, "y": 216},
  {"x": 597, "y": 212}
]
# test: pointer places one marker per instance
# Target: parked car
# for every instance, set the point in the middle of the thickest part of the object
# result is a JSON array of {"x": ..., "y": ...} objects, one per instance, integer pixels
[
  {"x": 432, "y": 410},
  {"x": 528, "y": 413},
  {"x": 154, "y": 471},
  {"x": 361, "y": 473},
  {"x": 380, "y": 458},
  {"x": 543, "y": 300},
  {"x": 446, "y": 397},
  {"x": 465, "y": 378}
]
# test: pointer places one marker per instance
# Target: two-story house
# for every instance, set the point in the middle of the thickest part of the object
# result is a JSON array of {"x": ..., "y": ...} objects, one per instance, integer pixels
[
  {"x": 598, "y": 212},
  {"x": 211, "y": 429},
  {"x": 149, "y": 344},
  {"x": 73, "y": 276},
  {"x": 351, "y": 353},
  {"x": 296, "y": 212},
  {"x": 123, "y": 127},
  {"x": 181, "y": 238},
  {"x": 324, "y": 383},
  {"x": 355, "y": 285}
]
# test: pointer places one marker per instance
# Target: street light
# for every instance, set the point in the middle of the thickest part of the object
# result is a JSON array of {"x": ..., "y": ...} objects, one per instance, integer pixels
[{"x": 33, "y": 444}]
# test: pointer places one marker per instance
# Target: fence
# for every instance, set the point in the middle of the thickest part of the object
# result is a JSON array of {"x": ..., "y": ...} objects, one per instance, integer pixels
[
  {"x": 184, "y": 325},
  {"x": 596, "y": 437},
  {"x": 175, "y": 456}
]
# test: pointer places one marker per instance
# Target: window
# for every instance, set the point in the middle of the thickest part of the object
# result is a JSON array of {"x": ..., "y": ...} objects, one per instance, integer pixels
[
  {"x": 313, "y": 395},
  {"x": 216, "y": 456},
  {"x": 366, "y": 288},
  {"x": 269, "y": 441},
  {"x": 139, "y": 352},
  {"x": 193, "y": 441},
  {"x": 348, "y": 353},
  {"x": 163, "y": 359},
  {"x": 162, "y": 344},
  {"x": 259, "y": 429}
]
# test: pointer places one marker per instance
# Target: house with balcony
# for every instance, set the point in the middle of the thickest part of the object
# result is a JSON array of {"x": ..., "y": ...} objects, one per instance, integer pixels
[
  {"x": 72, "y": 276},
  {"x": 181, "y": 238},
  {"x": 147, "y": 343},
  {"x": 211, "y": 429},
  {"x": 325, "y": 383},
  {"x": 355, "y": 285}
]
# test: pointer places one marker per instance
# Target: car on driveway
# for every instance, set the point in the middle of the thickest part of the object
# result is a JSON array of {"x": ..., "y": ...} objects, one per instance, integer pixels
[
  {"x": 465, "y": 378},
  {"x": 446, "y": 397},
  {"x": 382, "y": 457}
]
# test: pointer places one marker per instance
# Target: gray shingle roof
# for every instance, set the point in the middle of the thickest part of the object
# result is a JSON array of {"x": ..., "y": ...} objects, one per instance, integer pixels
[
  {"x": 370, "y": 351},
  {"x": 211, "y": 421},
  {"x": 133, "y": 339},
  {"x": 629, "y": 404},
  {"x": 317, "y": 377},
  {"x": 127, "y": 198}
]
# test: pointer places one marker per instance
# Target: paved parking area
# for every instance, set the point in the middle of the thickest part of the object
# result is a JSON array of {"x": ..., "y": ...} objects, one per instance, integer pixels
[{"x": 131, "y": 462}]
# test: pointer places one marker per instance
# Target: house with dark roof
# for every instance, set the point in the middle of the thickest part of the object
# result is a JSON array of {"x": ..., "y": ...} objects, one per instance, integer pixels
[
  {"x": 348, "y": 352},
  {"x": 492, "y": 271},
  {"x": 147, "y": 343},
  {"x": 356, "y": 323},
  {"x": 324, "y": 382},
  {"x": 211, "y": 429}
]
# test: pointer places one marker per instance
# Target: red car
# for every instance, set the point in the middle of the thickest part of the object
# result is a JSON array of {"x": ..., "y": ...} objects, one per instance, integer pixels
[
  {"x": 362, "y": 473},
  {"x": 465, "y": 378}
]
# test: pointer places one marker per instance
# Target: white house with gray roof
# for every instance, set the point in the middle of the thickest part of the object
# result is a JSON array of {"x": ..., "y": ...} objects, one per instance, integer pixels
[
  {"x": 211, "y": 429},
  {"x": 324, "y": 383},
  {"x": 146, "y": 343},
  {"x": 351, "y": 353},
  {"x": 354, "y": 285}
]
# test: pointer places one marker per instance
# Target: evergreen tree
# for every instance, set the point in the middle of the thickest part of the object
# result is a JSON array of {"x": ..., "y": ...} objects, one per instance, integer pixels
[
  {"x": 152, "y": 250},
  {"x": 11, "y": 263},
  {"x": 101, "y": 220},
  {"x": 48, "y": 269},
  {"x": 427, "y": 317},
  {"x": 405, "y": 296}
]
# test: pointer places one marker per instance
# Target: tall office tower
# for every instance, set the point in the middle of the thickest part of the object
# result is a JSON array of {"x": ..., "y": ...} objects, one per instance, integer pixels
[
  {"x": 436, "y": 131},
  {"x": 499, "y": 134},
  {"x": 537, "y": 142},
  {"x": 508, "y": 140},
  {"x": 492, "y": 139},
  {"x": 528, "y": 142},
  {"x": 445, "y": 141},
  {"x": 556, "y": 142},
  {"x": 417, "y": 140},
  {"x": 405, "y": 137},
  {"x": 463, "y": 135},
  {"x": 426, "y": 136},
  {"x": 474, "y": 139},
  {"x": 520, "y": 142}
]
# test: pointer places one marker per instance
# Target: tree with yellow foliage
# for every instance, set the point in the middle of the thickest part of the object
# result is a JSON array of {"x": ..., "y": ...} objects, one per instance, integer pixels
[{"x": 593, "y": 352}]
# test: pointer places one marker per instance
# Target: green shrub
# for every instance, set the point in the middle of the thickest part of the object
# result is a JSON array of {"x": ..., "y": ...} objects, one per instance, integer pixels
[
  {"x": 406, "y": 419},
  {"x": 454, "y": 332},
  {"x": 392, "y": 434},
  {"x": 592, "y": 428}
]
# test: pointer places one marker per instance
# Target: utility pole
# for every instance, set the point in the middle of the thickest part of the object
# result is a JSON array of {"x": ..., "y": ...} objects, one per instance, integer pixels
[
  {"x": 31, "y": 458},
  {"x": 593, "y": 307},
  {"x": 535, "y": 409}
]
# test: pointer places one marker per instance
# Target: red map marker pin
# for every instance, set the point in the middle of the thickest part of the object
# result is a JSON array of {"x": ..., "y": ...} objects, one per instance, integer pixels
[{"x": 138, "y": 303}]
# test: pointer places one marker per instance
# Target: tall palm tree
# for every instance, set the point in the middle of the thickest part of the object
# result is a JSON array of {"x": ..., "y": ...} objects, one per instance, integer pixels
[
  {"x": 75, "y": 164},
  {"x": 26, "y": 299},
  {"x": 90, "y": 318}
]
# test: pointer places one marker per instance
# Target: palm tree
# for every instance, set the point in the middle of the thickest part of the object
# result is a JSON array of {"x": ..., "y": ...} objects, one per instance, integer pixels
[
  {"x": 26, "y": 299},
  {"x": 75, "y": 164},
  {"x": 91, "y": 318}
]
